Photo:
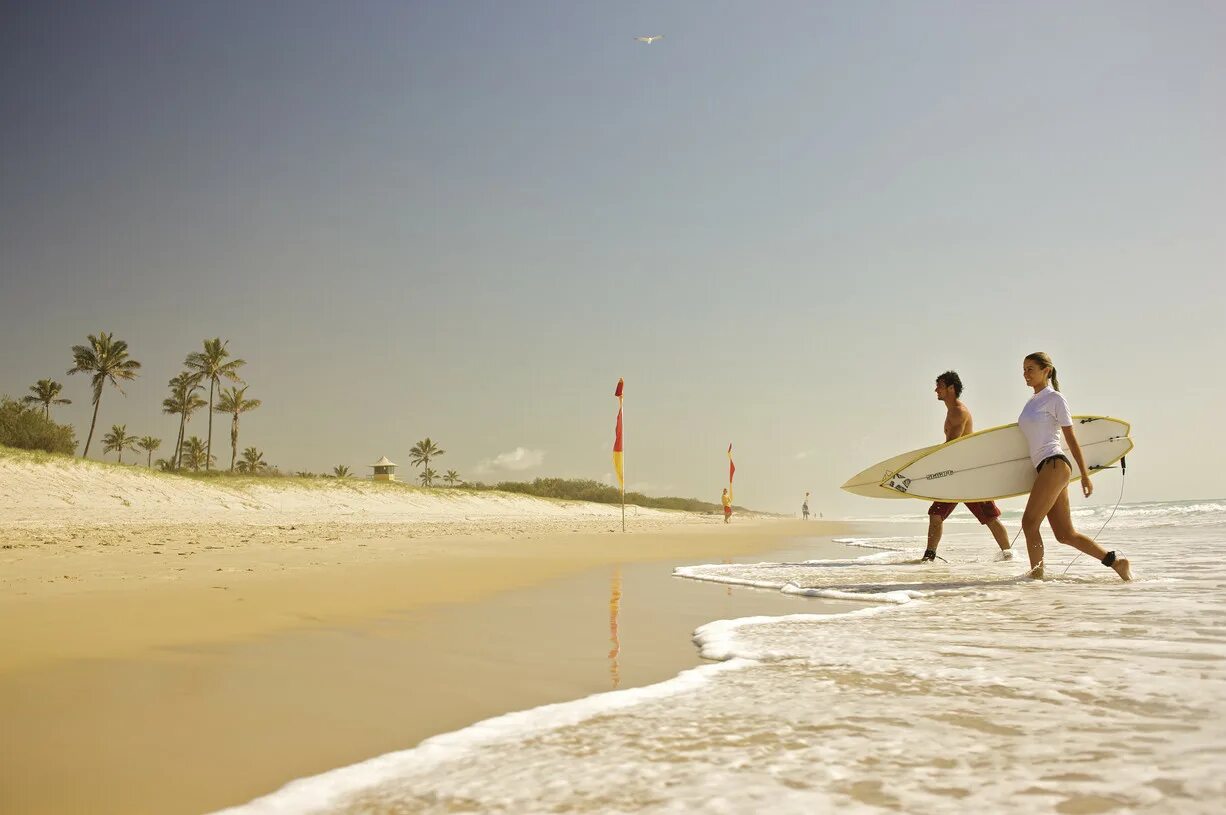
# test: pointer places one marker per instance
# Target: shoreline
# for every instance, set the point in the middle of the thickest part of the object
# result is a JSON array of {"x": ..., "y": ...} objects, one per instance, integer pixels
[
  {"x": 219, "y": 584},
  {"x": 320, "y": 666}
]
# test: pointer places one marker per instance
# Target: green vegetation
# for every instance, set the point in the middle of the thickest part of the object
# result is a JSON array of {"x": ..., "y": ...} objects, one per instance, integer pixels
[
  {"x": 194, "y": 454},
  {"x": 211, "y": 364},
  {"x": 107, "y": 359},
  {"x": 235, "y": 402},
  {"x": 253, "y": 462},
  {"x": 28, "y": 428},
  {"x": 149, "y": 444},
  {"x": 421, "y": 454},
  {"x": 558, "y": 489},
  {"x": 46, "y": 392},
  {"x": 582, "y": 489},
  {"x": 182, "y": 402},
  {"x": 118, "y": 440}
]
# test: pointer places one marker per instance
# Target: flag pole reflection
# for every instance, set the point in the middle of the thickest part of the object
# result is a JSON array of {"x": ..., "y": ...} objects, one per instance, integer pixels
[{"x": 615, "y": 600}]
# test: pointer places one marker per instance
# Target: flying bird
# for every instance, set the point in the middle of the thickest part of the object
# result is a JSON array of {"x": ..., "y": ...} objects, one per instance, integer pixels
[{"x": 649, "y": 40}]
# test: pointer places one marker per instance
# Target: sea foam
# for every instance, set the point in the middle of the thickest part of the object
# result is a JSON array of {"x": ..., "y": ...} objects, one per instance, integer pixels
[{"x": 975, "y": 688}]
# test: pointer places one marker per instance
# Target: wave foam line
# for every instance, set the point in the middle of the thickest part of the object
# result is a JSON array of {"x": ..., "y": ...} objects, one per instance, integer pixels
[
  {"x": 895, "y": 597},
  {"x": 864, "y": 543},
  {"x": 717, "y": 640},
  {"x": 319, "y": 793}
]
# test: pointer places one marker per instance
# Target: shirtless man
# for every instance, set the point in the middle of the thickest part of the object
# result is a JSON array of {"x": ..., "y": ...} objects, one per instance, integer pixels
[{"x": 958, "y": 423}]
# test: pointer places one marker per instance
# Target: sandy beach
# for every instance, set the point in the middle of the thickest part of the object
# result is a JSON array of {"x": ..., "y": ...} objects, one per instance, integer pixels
[
  {"x": 184, "y": 665},
  {"x": 376, "y": 382}
]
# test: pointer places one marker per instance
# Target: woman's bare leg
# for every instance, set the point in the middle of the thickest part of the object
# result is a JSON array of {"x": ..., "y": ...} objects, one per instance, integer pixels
[
  {"x": 1061, "y": 519},
  {"x": 1049, "y": 484}
]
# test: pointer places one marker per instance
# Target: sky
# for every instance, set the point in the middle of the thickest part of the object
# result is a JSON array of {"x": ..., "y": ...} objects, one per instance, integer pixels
[{"x": 778, "y": 223}]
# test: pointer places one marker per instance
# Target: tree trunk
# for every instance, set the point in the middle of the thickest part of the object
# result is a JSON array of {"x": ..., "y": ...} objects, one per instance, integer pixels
[
  {"x": 208, "y": 451},
  {"x": 149, "y": 463},
  {"x": 179, "y": 446},
  {"x": 94, "y": 421},
  {"x": 233, "y": 441}
]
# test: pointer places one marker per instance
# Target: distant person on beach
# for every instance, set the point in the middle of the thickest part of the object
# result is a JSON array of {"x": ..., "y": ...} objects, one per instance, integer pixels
[
  {"x": 727, "y": 500},
  {"x": 804, "y": 508},
  {"x": 958, "y": 423},
  {"x": 1043, "y": 420}
]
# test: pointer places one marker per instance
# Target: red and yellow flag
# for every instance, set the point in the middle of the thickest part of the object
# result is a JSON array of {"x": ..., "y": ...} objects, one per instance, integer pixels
[
  {"x": 731, "y": 471},
  {"x": 618, "y": 459}
]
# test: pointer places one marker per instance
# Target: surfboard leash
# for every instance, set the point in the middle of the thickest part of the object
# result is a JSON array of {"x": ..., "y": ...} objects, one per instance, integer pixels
[{"x": 1123, "y": 475}]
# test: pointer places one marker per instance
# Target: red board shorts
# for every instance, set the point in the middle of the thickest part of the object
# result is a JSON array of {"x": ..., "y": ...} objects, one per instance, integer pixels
[
  {"x": 985, "y": 511},
  {"x": 727, "y": 510}
]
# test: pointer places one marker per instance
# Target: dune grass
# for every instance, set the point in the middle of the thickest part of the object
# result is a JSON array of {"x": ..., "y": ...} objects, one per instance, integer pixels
[{"x": 558, "y": 490}]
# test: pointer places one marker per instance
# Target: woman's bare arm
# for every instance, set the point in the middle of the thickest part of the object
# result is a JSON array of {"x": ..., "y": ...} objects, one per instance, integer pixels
[{"x": 1087, "y": 486}]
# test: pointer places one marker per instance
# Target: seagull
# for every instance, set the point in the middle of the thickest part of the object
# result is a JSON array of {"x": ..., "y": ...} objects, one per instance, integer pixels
[{"x": 649, "y": 40}]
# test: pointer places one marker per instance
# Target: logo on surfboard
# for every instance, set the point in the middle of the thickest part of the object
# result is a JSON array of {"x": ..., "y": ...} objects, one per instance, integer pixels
[{"x": 899, "y": 484}]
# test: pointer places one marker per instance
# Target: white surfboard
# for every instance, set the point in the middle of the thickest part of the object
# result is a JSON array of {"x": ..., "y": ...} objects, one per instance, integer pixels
[
  {"x": 868, "y": 482},
  {"x": 995, "y": 463}
]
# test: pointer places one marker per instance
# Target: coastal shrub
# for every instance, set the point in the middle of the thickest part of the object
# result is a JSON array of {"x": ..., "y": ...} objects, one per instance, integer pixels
[
  {"x": 584, "y": 489},
  {"x": 26, "y": 428}
]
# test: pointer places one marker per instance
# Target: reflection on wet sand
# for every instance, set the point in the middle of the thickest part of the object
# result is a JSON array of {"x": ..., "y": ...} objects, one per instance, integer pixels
[{"x": 615, "y": 600}]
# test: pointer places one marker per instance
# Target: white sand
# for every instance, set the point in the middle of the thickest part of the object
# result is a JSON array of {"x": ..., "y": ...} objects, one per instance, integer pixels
[
  {"x": 106, "y": 568},
  {"x": 58, "y": 492},
  {"x": 72, "y": 532}
]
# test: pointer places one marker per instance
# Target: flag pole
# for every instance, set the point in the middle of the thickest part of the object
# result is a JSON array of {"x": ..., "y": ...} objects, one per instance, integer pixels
[{"x": 619, "y": 457}]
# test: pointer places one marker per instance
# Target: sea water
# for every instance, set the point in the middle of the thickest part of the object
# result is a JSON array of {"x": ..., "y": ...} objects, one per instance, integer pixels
[{"x": 955, "y": 686}]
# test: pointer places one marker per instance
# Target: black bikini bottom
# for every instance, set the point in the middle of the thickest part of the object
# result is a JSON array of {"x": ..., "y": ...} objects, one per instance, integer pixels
[{"x": 1059, "y": 457}]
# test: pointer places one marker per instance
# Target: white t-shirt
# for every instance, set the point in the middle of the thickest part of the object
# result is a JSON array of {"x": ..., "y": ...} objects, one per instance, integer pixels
[{"x": 1041, "y": 420}]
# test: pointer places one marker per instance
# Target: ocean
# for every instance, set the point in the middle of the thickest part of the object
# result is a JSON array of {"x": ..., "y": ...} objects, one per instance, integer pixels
[{"x": 951, "y": 686}]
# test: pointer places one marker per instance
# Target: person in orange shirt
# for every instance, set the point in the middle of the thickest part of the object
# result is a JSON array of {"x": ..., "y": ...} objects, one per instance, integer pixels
[{"x": 727, "y": 499}]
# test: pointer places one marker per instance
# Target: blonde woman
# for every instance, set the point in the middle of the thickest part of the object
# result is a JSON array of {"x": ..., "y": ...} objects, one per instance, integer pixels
[{"x": 1044, "y": 420}]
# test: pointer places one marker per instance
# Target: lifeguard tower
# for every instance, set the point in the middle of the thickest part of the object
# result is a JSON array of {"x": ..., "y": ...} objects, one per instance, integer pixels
[{"x": 384, "y": 470}]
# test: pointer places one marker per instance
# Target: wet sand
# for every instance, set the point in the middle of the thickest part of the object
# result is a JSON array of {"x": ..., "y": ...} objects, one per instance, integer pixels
[{"x": 176, "y": 696}]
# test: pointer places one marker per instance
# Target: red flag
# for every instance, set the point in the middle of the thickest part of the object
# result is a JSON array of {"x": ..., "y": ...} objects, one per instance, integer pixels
[
  {"x": 731, "y": 470},
  {"x": 618, "y": 457}
]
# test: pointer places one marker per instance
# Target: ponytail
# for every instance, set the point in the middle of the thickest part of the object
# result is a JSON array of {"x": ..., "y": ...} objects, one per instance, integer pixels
[{"x": 1044, "y": 361}]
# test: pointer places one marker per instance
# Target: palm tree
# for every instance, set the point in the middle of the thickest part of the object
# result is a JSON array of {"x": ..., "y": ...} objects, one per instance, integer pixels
[
  {"x": 182, "y": 402},
  {"x": 118, "y": 440},
  {"x": 46, "y": 392},
  {"x": 421, "y": 454},
  {"x": 341, "y": 471},
  {"x": 234, "y": 402},
  {"x": 253, "y": 461},
  {"x": 427, "y": 476},
  {"x": 149, "y": 444},
  {"x": 165, "y": 464},
  {"x": 194, "y": 454},
  {"x": 107, "y": 359},
  {"x": 212, "y": 365},
  {"x": 452, "y": 478}
]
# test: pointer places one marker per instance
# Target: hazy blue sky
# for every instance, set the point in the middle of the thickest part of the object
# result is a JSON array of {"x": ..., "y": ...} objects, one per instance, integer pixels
[{"x": 778, "y": 223}]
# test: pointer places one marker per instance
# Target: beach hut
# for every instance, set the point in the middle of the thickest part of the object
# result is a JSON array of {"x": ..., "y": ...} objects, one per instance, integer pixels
[{"x": 384, "y": 470}]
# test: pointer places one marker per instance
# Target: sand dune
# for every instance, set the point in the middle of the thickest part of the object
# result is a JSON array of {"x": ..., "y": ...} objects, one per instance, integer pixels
[{"x": 50, "y": 491}]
